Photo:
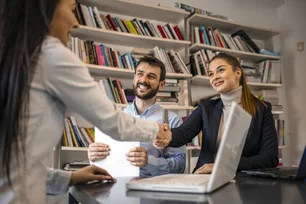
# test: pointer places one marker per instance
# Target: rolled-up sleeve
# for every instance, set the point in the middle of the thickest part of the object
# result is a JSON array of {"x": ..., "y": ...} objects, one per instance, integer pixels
[{"x": 57, "y": 181}]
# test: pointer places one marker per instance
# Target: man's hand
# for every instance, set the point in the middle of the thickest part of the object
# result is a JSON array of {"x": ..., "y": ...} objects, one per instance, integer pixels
[
  {"x": 97, "y": 151},
  {"x": 137, "y": 156},
  {"x": 205, "y": 169},
  {"x": 164, "y": 136},
  {"x": 90, "y": 173}
]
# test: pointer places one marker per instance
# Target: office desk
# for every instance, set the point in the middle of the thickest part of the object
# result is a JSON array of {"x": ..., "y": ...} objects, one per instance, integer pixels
[{"x": 245, "y": 189}]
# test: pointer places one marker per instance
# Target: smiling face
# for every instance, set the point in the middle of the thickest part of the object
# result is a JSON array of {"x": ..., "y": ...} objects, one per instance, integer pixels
[
  {"x": 223, "y": 78},
  {"x": 63, "y": 21},
  {"x": 146, "y": 81}
]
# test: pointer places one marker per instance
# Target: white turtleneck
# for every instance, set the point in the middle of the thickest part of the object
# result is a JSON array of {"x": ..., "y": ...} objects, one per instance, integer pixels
[{"x": 227, "y": 99}]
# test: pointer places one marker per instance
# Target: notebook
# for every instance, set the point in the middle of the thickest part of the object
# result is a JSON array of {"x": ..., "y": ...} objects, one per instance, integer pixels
[{"x": 225, "y": 166}]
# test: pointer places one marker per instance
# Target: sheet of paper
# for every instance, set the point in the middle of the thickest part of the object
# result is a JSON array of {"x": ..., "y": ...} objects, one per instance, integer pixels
[{"x": 115, "y": 163}]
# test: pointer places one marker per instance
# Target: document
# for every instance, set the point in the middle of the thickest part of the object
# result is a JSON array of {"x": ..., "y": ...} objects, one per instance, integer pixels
[{"x": 115, "y": 163}]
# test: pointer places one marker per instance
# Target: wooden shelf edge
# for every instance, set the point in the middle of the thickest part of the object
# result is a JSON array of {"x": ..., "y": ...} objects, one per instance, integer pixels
[
  {"x": 64, "y": 148},
  {"x": 130, "y": 35},
  {"x": 282, "y": 146},
  {"x": 131, "y": 72},
  {"x": 272, "y": 31},
  {"x": 198, "y": 46}
]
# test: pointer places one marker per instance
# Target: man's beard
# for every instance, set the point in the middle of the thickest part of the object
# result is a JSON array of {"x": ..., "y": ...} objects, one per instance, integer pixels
[{"x": 146, "y": 96}]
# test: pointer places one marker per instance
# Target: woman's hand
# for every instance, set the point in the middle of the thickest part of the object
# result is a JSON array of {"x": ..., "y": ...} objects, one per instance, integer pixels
[
  {"x": 205, "y": 169},
  {"x": 97, "y": 151},
  {"x": 90, "y": 173}
]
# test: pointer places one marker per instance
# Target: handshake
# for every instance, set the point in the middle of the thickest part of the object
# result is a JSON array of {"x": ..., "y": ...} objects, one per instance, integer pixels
[{"x": 164, "y": 136}]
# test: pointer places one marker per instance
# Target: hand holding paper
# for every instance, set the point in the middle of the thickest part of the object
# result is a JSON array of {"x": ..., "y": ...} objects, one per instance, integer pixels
[
  {"x": 115, "y": 163},
  {"x": 137, "y": 156}
]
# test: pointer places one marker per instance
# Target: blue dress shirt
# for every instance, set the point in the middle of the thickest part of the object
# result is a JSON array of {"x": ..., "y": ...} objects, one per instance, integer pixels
[{"x": 170, "y": 160}]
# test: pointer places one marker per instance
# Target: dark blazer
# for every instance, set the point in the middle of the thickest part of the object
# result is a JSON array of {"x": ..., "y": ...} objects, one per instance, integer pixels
[{"x": 261, "y": 145}]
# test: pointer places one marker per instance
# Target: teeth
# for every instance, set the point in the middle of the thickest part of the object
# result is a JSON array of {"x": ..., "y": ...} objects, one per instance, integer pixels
[{"x": 143, "y": 87}]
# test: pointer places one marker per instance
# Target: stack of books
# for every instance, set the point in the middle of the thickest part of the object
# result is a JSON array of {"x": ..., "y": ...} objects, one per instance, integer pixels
[{"x": 90, "y": 16}]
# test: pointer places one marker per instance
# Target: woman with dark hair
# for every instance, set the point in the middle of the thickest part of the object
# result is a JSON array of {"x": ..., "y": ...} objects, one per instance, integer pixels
[
  {"x": 261, "y": 146},
  {"x": 39, "y": 79}
]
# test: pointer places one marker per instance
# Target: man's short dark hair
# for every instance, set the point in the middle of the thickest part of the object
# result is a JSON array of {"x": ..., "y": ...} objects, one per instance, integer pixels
[{"x": 154, "y": 62}]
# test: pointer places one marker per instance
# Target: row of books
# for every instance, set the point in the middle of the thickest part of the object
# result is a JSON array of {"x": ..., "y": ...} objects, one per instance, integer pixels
[
  {"x": 171, "y": 59},
  {"x": 199, "y": 61},
  {"x": 75, "y": 136},
  {"x": 212, "y": 36},
  {"x": 267, "y": 71},
  {"x": 89, "y": 16},
  {"x": 280, "y": 130},
  {"x": 91, "y": 52}
]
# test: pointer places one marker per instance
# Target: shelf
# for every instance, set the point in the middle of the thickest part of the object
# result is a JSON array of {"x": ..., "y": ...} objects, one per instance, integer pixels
[
  {"x": 193, "y": 148},
  {"x": 139, "y": 10},
  {"x": 127, "y": 39},
  {"x": 167, "y": 107},
  {"x": 240, "y": 54},
  {"x": 231, "y": 27},
  {"x": 64, "y": 148},
  {"x": 277, "y": 112},
  {"x": 204, "y": 80},
  {"x": 126, "y": 73},
  {"x": 282, "y": 146}
]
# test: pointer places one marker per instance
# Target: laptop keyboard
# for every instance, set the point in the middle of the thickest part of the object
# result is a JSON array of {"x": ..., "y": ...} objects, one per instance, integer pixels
[{"x": 188, "y": 180}]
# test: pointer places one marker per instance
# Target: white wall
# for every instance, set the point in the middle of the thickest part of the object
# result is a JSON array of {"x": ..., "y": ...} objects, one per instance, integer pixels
[
  {"x": 291, "y": 18},
  {"x": 257, "y": 13}
]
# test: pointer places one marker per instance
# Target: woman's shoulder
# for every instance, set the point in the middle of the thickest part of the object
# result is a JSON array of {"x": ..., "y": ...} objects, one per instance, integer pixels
[{"x": 53, "y": 51}]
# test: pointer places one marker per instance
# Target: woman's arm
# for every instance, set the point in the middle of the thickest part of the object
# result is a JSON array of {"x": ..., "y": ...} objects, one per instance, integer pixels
[
  {"x": 188, "y": 130},
  {"x": 67, "y": 79}
]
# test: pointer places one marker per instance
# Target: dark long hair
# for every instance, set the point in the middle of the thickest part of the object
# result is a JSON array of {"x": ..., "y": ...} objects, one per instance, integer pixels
[
  {"x": 23, "y": 27},
  {"x": 248, "y": 100}
]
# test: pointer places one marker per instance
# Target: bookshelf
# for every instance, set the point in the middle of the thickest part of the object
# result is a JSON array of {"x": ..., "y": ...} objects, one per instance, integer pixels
[
  {"x": 139, "y": 10},
  {"x": 123, "y": 39},
  {"x": 97, "y": 70},
  {"x": 240, "y": 54},
  {"x": 204, "y": 81},
  {"x": 127, "y": 39},
  {"x": 253, "y": 32}
]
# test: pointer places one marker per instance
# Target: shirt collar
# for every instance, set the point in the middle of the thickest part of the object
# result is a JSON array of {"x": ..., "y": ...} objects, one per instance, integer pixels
[{"x": 147, "y": 112}]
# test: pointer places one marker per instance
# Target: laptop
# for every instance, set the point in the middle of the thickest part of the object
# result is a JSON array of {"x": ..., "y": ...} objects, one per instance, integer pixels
[
  {"x": 282, "y": 172},
  {"x": 225, "y": 166}
]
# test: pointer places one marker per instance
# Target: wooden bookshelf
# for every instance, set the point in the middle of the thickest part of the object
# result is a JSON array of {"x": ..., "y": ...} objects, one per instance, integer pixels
[
  {"x": 229, "y": 26},
  {"x": 167, "y": 107},
  {"x": 193, "y": 148},
  {"x": 127, "y": 39},
  {"x": 126, "y": 73},
  {"x": 204, "y": 80},
  {"x": 282, "y": 146},
  {"x": 139, "y": 10},
  {"x": 277, "y": 112},
  {"x": 240, "y": 54},
  {"x": 64, "y": 148}
]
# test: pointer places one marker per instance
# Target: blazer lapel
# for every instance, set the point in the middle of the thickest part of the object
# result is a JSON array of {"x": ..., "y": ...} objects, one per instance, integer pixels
[{"x": 215, "y": 117}]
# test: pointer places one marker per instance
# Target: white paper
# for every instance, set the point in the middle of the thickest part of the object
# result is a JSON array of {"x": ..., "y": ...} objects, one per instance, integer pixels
[{"x": 115, "y": 163}]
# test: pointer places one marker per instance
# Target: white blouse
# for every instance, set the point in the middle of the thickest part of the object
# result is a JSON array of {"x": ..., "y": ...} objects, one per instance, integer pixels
[{"x": 62, "y": 81}]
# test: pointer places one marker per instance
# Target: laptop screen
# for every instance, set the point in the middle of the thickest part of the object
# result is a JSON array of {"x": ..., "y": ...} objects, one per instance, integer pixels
[{"x": 302, "y": 166}]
